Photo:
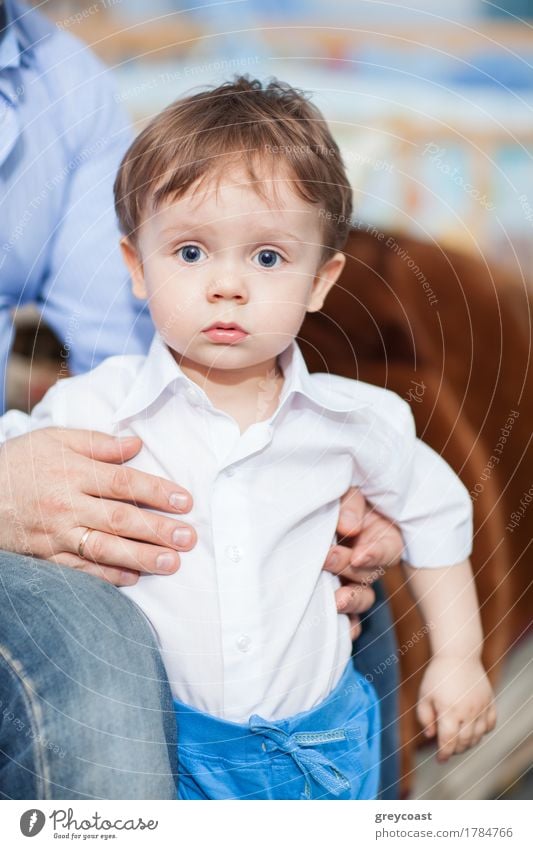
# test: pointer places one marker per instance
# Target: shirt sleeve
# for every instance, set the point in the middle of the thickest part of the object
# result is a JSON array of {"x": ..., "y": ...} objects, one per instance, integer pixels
[
  {"x": 86, "y": 297},
  {"x": 413, "y": 486}
]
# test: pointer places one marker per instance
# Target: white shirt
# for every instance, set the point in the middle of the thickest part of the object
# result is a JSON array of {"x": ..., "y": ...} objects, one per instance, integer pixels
[{"x": 248, "y": 624}]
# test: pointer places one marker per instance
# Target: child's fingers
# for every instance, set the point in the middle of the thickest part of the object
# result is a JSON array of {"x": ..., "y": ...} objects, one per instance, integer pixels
[
  {"x": 465, "y": 736},
  {"x": 427, "y": 717},
  {"x": 491, "y": 717},
  {"x": 486, "y": 722},
  {"x": 470, "y": 734},
  {"x": 481, "y": 727},
  {"x": 448, "y": 728}
]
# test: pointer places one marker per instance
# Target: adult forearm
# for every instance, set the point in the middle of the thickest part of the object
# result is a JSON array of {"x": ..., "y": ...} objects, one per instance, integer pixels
[{"x": 447, "y": 600}]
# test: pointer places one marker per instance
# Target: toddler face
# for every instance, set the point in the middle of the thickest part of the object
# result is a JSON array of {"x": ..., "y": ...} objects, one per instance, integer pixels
[{"x": 228, "y": 275}]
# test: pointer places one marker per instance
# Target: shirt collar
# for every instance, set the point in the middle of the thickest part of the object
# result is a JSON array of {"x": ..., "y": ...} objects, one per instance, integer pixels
[
  {"x": 317, "y": 388},
  {"x": 160, "y": 370},
  {"x": 157, "y": 372}
]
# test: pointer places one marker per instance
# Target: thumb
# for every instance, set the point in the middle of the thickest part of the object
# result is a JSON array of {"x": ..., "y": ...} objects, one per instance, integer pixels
[
  {"x": 100, "y": 446},
  {"x": 427, "y": 717},
  {"x": 352, "y": 512}
]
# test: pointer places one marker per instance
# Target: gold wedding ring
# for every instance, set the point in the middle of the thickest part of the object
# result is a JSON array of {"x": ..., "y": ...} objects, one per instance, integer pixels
[{"x": 83, "y": 540}]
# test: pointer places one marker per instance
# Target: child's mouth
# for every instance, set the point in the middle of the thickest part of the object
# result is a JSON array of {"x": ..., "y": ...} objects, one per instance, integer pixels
[{"x": 225, "y": 334}]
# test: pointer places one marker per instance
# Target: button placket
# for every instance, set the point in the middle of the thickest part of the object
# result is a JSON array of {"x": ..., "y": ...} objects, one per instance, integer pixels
[{"x": 239, "y": 597}]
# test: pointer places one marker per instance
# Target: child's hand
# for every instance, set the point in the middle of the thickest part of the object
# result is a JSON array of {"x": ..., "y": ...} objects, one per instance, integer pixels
[{"x": 456, "y": 702}]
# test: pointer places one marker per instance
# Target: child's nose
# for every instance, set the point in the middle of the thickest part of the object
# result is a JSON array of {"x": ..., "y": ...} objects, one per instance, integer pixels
[{"x": 227, "y": 288}]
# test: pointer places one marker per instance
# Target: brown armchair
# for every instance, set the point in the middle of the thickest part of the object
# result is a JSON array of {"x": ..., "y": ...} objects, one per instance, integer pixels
[{"x": 453, "y": 338}]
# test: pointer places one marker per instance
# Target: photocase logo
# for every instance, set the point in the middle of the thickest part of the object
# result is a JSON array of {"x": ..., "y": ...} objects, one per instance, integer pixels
[{"x": 32, "y": 822}]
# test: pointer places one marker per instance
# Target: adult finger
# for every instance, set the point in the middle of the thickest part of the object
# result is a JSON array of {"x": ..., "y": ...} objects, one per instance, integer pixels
[
  {"x": 123, "y": 483},
  {"x": 109, "y": 574},
  {"x": 97, "y": 445},
  {"x": 355, "y": 627},
  {"x": 106, "y": 452},
  {"x": 129, "y": 521},
  {"x": 351, "y": 514},
  {"x": 378, "y": 545},
  {"x": 338, "y": 560},
  {"x": 339, "y": 563},
  {"x": 354, "y": 598},
  {"x": 109, "y": 550}
]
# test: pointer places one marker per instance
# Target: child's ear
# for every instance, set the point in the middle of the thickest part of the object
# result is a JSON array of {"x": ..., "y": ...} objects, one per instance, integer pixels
[
  {"x": 132, "y": 258},
  {"x": 326, "y": 277}
]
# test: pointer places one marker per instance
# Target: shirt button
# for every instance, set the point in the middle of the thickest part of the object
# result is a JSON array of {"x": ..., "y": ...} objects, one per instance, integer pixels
[
  {"x": 243, "y": 642},
  {"x": 234, "y": 553}
]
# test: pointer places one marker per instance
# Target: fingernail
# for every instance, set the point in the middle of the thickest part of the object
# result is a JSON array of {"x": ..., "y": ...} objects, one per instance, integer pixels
[
  {"x": 332, "y": 561},
  {"x": 179, "y": 500},
  {"x": 342, "y": 605},
  {"x": 165, "y": 562},
  {"x": 182, "y": 536}
]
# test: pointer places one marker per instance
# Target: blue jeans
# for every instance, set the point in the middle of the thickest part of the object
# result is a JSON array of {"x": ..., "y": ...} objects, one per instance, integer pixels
[
  {"x": 86, "y": 711},
  {"x": 376, "y": 657},
  {"x": 328, "y": 752}
]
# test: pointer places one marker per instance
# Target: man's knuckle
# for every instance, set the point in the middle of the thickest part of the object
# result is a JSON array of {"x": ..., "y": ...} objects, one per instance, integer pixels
[
  {"x": 53, "y": 503},
  {"x": 117, "y": 518},
  {"x": 63, "y": 559},
  {"x": 120, "y": 482}
]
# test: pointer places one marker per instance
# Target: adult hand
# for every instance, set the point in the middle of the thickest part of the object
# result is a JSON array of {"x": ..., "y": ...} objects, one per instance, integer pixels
[
  {"x": 57, "y": 483},
  {"x": 375, "y": 544}
]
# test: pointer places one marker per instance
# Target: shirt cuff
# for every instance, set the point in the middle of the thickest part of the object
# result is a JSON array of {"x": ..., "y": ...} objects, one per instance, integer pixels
[{"x": 428, "y": 546}]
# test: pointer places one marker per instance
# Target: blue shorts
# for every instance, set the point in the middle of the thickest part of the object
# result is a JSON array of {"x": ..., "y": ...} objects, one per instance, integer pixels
[{"x": 329, "y": 752}]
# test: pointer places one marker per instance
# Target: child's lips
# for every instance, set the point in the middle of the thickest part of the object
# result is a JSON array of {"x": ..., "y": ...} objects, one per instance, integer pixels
[{"x": 225, "y": 334}]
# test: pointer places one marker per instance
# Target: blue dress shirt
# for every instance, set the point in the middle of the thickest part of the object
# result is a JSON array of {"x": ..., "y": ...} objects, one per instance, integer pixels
[{"x": 62, "y": 136}]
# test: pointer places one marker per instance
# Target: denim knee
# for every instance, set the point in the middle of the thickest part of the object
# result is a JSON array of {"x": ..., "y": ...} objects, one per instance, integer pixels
[{"x": 89, "y": 708}]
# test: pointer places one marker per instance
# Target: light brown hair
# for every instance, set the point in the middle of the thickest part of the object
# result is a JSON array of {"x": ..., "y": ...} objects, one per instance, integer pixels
[{"x": 241, "y": 121}]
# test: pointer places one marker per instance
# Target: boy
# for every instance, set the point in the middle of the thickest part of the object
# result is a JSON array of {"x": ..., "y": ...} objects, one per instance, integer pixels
[{"x": 234, "y": 206}]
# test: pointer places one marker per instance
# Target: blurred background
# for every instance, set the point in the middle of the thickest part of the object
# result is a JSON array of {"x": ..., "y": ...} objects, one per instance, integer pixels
[{"x": 432, "y": 105}]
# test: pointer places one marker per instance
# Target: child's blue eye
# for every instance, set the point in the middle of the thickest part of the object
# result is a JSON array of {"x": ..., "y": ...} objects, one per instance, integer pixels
[
  {"x": 190, "y": 253},
  {"x": 268, "y": 258}
]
